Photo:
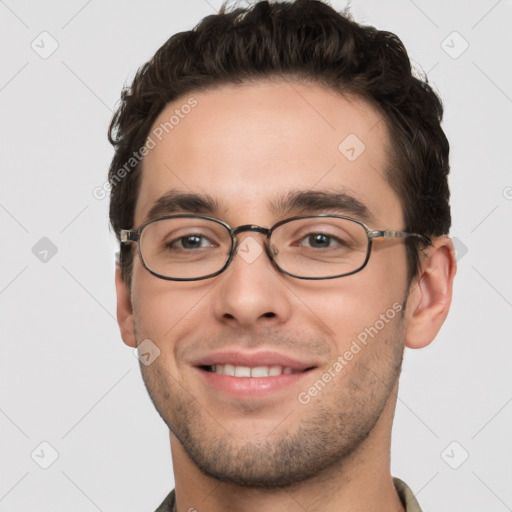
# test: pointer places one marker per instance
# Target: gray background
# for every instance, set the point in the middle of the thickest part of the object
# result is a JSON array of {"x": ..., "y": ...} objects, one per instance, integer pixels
[{"x": 66, "y": 377}]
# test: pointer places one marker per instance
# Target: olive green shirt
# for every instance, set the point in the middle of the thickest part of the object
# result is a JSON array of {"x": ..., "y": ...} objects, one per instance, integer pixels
[{"x": 406, "y": 495}]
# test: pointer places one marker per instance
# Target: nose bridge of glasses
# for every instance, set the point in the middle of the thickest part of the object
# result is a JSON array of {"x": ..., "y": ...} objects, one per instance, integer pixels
[
  {"x": 250, "y": 227},
  {"x": 255, "y": 229}
]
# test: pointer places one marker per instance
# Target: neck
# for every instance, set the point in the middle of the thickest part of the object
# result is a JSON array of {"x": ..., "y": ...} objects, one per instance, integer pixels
[{"x": 361, "y": 481}]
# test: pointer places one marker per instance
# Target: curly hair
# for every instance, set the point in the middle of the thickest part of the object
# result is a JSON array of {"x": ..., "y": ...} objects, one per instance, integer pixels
[{"x": 304, "y": 40}]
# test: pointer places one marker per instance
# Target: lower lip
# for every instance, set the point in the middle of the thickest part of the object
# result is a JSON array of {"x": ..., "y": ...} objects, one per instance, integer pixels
[{"x": 251, "y": 387}]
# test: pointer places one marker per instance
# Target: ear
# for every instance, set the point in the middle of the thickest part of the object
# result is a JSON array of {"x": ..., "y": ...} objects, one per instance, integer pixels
[
  {"x": 430, "y": 295},
  {"x": 124, "y": 311}
]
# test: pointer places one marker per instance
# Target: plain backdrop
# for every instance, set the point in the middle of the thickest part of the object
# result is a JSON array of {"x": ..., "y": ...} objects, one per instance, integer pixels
[{"x": 72, "y": 398}]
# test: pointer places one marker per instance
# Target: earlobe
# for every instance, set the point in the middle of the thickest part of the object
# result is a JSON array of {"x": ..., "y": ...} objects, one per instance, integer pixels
[
  {"x": 431, "y": 294},
  {"x": 125, "y": 311}
]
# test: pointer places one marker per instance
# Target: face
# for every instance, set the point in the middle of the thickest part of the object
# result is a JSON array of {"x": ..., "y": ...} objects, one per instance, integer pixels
[{"x": 339, "y": 342}]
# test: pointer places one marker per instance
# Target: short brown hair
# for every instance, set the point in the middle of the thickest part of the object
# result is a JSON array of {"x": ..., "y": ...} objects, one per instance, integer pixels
[{"x": 303, "y": 39}]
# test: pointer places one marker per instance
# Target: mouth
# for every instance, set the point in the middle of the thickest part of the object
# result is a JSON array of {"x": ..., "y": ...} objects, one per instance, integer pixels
[
  {"x": 256, "y": 371},
  {"x": 250, "y": 375}
]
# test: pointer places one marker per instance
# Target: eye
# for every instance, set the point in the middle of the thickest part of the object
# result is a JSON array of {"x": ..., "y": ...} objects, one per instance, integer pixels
[
  {"x": 322, "y": 240},
  {"x": 319, "y": 240},
  {"x": 190, "y": 241}
]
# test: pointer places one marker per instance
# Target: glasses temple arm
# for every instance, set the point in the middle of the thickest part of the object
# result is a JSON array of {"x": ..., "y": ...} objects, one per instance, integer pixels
[
  {"x": 390, "y": 233},
  {"x": 128, "y": 235}
]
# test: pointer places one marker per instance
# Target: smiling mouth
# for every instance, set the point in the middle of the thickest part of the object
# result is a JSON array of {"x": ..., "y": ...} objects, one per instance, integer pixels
[{"x": 246, "y": 371}]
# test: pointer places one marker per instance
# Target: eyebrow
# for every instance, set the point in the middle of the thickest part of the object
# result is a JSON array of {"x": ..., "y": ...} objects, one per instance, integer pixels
[
  {"x": 175, "y": 201},
  {"x": 304, "y": 202},
  {"x": 290, "y": 204}
]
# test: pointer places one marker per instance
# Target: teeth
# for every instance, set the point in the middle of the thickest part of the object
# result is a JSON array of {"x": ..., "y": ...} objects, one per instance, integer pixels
[
  {"x": 275, "y": 370},
  {"x": 242, "y": 371},
  {"x": 260, "y": 371},
  {"x": 225, "y": 369},
  {"x": 246, "y": 371}
]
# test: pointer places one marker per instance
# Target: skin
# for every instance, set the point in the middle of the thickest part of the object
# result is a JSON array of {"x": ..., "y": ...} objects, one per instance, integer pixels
[{"x": 246, "y": 145}]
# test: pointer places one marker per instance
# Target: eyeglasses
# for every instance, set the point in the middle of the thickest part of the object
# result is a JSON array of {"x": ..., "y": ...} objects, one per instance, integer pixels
[{"x": 194, "y": 247}]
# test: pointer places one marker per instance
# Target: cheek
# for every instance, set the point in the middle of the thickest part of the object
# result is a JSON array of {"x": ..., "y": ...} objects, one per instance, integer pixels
[
  {"x": 164, "y": 310},
  {"x": 360, "y": 306}
]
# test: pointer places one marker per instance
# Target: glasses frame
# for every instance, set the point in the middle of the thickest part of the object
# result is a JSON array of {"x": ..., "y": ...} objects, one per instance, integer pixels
[{"x": 134, "y": 235}]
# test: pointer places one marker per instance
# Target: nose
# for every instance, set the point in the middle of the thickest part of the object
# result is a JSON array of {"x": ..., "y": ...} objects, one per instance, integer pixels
[{"x": 251, "y": 292}]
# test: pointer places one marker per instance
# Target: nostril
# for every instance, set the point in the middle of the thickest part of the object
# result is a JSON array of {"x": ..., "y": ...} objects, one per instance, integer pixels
[{"x": 269, "y": 315}]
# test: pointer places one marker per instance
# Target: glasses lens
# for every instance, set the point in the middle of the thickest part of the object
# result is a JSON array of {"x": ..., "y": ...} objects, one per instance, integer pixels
[
  {"x": 320, "y": 247},
  {"x": 185, "y": 247}
]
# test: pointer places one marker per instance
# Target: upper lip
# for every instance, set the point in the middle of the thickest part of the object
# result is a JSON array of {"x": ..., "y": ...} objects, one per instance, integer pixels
[{"x": 253, "y": 360}]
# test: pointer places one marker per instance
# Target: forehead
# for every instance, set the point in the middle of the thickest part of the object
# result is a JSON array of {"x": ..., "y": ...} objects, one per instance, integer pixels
[{"x": 248, "y": 146}]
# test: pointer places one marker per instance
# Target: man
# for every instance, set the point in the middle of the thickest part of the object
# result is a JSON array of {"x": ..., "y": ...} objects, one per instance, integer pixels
[{"x": 279, "y": 189}]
